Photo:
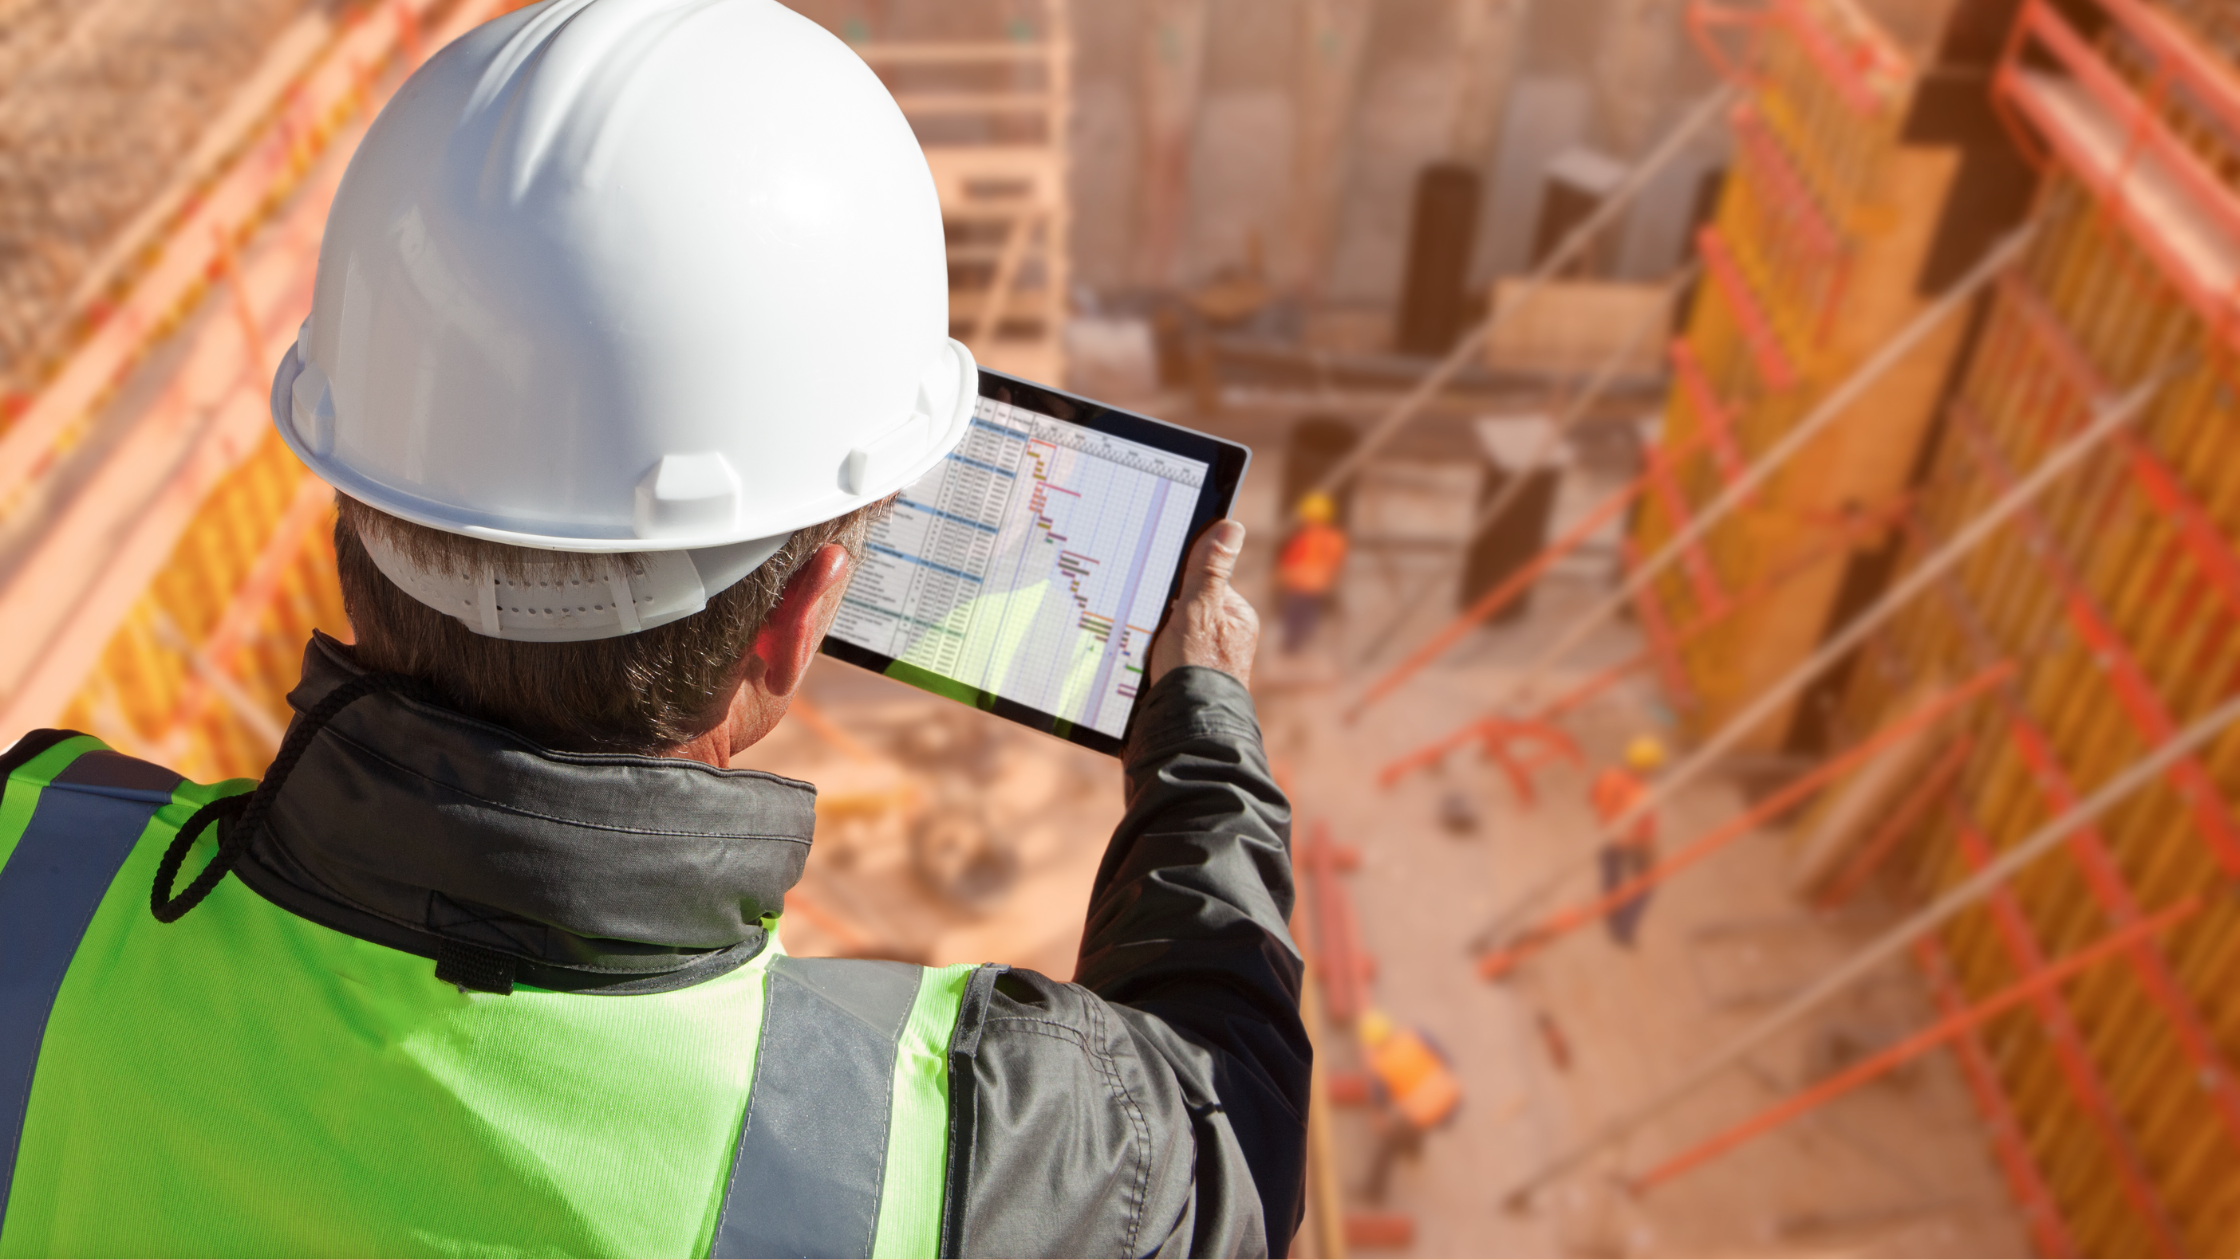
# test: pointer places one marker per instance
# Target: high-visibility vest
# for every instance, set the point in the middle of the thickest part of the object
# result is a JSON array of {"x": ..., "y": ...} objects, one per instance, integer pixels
[
  {"x": 1617, "y": 790},
  {"x": 1311, "y": 559},
  {"x": 246, "y": 1081},
  {"x": 1419, "y": 1083}
]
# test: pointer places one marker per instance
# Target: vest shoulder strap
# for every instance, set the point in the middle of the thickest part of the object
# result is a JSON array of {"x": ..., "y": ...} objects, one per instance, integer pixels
[
  {"x": 844, "y": 1147},
  {"x": 812, "y": 1153},
  {"x": 70, "y": 813}
]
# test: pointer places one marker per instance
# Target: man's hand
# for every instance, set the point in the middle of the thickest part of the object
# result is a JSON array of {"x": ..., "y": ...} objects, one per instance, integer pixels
[{"x": 1210, "y": 624}]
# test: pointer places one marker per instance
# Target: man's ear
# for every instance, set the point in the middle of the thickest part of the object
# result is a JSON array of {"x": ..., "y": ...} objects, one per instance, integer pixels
[{"x": 787, "y": 643}]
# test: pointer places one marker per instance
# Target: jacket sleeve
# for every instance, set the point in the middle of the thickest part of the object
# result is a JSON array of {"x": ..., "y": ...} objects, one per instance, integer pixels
[{"x": 1157, "y": 1105}]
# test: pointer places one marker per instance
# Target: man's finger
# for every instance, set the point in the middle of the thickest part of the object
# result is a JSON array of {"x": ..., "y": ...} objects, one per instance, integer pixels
[{"x": 1214, "y": 559}]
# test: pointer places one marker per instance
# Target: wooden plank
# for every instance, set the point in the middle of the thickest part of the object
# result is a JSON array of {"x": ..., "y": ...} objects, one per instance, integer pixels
[
  {"x": 1866, "y": 455},
  {"x": 1009, "y": 279},
  {"x": 1580, "y": 326}
]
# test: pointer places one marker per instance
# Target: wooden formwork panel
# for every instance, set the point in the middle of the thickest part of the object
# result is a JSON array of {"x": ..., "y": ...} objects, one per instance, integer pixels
[
  {"x": 1578, "y": 326},
  {"x": 1810, "y": 267},
  {"x": 2117, "y": 596},
  {"x": 197, "y": 675}
]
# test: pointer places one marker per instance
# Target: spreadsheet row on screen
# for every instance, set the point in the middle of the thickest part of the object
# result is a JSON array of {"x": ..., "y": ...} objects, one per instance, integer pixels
[{"x": 1032, "y": 564}]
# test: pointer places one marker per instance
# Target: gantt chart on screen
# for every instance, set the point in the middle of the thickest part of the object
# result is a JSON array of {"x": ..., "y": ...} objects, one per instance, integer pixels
[{"x": 1032, "y": 563}]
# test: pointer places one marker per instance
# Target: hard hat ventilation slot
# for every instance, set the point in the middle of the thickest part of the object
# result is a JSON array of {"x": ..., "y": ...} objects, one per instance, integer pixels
[
  {"x": 688, "y": 494},
  {"x": 312, "y": 400},
  {"x": 876, "y": 462}
]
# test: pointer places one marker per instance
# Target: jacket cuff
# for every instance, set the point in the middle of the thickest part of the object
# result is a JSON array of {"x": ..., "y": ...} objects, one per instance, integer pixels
[{"x": 1189, "y": 703}]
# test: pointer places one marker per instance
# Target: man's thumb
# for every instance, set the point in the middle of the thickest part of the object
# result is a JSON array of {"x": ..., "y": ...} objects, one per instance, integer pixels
[{"x": 1215, "y": 557}]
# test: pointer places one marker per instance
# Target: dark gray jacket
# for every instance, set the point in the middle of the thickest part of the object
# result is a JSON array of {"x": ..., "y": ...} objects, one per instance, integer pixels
[{"x": 1157, "y": 1105}]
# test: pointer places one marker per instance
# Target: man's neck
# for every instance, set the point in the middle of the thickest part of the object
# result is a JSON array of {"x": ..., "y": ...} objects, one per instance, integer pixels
[{"x": 754, "y": 713}]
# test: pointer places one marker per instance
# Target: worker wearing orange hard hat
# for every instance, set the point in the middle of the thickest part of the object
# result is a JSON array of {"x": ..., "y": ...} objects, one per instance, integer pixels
[
  {"x": 1308, "y": 568},
  {"x": 1630, "y": 852},
  {"x": 1416, "y": 1088}
]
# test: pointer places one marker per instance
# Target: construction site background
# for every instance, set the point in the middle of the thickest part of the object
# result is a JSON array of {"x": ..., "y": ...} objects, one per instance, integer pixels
[{"x": 1832, "y": 393}]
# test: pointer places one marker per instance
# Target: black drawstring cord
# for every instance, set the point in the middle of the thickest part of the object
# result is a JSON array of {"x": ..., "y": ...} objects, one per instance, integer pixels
[{"x": 238, "y": 817}]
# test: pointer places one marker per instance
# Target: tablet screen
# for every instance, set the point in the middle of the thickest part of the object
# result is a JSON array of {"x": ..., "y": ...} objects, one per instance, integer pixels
[{"x": 1032, "y": 566}]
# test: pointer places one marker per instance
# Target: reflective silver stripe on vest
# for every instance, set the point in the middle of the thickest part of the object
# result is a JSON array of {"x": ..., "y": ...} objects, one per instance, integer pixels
[
  {"x": 87, "y": 822},
  {"x": 813, "y": 1148}
]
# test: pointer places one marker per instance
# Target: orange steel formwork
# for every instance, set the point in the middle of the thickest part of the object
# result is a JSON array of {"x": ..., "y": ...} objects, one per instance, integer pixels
[{"x": 2113, "y": 1100}]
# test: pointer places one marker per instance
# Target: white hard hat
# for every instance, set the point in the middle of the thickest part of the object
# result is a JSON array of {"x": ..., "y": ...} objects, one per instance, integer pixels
[{"x": 629, "y": 276}]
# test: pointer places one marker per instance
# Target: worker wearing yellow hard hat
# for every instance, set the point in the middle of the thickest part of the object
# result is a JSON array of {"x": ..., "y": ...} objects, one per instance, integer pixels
[
  {"x": 1416, "y": 1087},
  {"x": 1622, "y": 801},
  {"x": 1645, "y": 754},
  {"x": 1308, "y": 568},
  {"x": 631, "y": 316}
]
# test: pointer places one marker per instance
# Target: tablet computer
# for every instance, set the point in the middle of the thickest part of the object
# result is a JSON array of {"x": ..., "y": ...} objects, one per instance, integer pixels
[{"x": 1026, "y": 574}]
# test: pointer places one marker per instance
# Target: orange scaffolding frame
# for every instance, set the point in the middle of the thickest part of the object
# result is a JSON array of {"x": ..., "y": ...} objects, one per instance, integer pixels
[
  {"x": 1941, "y": 1033},
  {"x": 1499, "y": 961}
]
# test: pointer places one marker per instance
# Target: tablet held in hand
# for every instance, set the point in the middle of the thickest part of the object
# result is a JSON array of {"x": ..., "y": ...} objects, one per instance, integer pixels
[{"x": 1028, "y": 572}]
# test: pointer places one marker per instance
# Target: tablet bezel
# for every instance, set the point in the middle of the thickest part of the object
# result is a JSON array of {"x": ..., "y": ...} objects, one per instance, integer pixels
[{"x": 1226, "y": 461}]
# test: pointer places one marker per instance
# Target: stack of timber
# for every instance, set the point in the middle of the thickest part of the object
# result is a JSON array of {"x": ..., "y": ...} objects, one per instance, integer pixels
[
  {"x": 992, "y": 111},
  {"x": 1836, "y": 207},
  {"x": 2115, "y": 1098}
]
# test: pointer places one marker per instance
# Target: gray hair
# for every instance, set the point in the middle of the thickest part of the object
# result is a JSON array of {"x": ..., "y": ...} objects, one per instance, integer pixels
[{"x": 638, "y": 693}]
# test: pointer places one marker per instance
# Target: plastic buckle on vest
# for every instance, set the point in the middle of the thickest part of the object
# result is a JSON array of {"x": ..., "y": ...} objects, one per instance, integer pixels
[{"x": 475, "y": 969}]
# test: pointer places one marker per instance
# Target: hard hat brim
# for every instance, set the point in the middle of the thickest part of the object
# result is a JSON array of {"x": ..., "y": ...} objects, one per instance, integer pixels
[{"x": 455, "y": 520}]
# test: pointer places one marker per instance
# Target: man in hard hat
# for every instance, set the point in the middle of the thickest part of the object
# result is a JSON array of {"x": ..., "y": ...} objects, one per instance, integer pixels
[
  {"x": 1307, "y": 569},
  {"x": 1416, "y": 1091},
  {"x": 630, "y": 317},
  {"x": 1630, "y": 848}
]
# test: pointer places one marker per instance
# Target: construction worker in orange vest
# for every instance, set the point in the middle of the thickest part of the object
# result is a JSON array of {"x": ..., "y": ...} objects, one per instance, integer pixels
[
  {"x": 1628, "y": 854},
  {"x": 1307, "y": 570},
  {"x": 1416, "y": 1089}
]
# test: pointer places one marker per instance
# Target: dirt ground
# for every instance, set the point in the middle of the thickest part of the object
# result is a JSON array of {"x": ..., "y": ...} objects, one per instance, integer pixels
[{"x": 907, "y": 765}]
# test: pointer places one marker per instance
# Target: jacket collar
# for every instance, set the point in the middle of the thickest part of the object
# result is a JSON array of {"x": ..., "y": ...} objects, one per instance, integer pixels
[{"x": 403, "y": 817}]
